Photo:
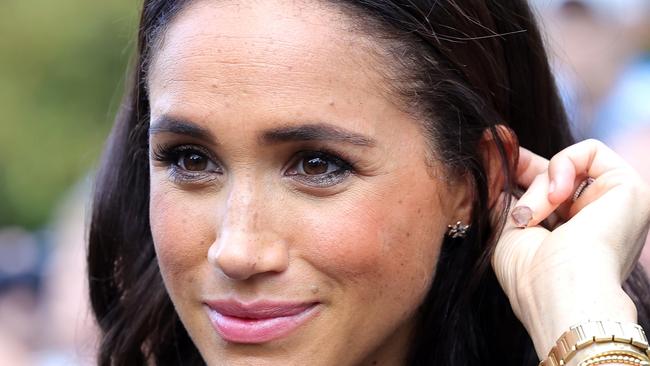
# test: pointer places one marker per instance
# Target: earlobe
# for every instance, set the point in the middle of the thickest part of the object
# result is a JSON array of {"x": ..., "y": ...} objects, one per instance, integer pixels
[{"x": 499, "y": 145}]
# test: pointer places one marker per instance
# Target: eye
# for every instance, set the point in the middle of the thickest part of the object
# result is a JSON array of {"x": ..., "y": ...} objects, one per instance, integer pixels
[
  {"x": 316, "y": 166},
  {"x": 193, "y": 161},
  {"x": 319, "y": 169},
  {"x": 187, "y": 163}
]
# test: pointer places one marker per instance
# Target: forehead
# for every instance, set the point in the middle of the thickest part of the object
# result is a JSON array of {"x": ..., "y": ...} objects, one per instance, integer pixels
[{"x": 236, "y": 51}]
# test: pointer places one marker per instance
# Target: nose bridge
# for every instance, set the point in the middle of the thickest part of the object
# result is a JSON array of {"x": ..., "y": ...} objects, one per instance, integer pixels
[
  {"x": 241, "y": 211},
  {"x": 246, "y": 243}
]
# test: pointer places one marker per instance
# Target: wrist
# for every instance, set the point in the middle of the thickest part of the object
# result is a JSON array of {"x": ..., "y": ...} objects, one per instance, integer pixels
[{"x": 554, "y": 309}]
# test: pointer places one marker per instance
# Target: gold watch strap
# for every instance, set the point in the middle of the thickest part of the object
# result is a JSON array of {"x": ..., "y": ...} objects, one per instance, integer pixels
[{"x": 582, "y": 335}]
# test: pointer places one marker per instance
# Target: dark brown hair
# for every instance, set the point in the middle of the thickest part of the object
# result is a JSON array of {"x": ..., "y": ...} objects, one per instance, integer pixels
[{"x": 466, "y": 67}]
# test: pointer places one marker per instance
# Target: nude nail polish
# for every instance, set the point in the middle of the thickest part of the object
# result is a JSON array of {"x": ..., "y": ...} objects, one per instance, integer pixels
[{"x": 522, "y": 215}]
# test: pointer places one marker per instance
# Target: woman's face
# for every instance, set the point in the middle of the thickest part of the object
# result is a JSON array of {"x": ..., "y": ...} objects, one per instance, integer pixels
[{"x": 296, "y": 212}]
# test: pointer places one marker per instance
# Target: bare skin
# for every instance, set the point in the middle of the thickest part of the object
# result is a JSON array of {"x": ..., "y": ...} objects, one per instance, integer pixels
[
  {"x": 256, "y": 223},
  {"x": 280, "y": 172}
]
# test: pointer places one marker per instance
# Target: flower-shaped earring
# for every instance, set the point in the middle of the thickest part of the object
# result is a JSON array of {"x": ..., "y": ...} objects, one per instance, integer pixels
[{"x": 457, "y": 230}]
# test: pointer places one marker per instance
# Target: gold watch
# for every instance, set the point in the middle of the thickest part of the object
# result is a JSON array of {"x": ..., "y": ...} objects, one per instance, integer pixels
[{"x": 582, "y": 335}]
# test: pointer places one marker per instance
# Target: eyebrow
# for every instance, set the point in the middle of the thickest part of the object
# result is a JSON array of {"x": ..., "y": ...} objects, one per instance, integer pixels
[
  {"x": 166, "y": 124},
  {"x": 316, "y": 132},
  {"x": 304, "y": 132}
]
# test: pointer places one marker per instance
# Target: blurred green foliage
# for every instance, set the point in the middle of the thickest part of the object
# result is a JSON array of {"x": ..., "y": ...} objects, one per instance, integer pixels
[{"x": 62, "y": 67}]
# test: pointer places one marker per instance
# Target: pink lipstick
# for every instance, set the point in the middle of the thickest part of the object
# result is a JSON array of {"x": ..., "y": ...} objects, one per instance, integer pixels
[{"x": 258, "y": 322}]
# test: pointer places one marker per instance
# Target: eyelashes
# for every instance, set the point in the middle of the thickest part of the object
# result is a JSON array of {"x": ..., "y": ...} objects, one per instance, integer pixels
[
  {"x": 319, "y": 168},
  {"x": 195, "y": 165},
  {"x": 187, "y": 163}
]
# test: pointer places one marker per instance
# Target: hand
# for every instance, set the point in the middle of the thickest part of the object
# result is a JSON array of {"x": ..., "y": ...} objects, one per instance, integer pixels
[{"x": 572, "y": 271}]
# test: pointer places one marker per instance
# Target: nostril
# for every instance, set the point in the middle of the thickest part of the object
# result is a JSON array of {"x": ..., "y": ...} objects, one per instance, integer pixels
[
  {"x": 240, "y": 255},
  {"x": 238, "y": 273},
  {"x": 233, "y": 261},
  {"x": 240, "y": 270}
]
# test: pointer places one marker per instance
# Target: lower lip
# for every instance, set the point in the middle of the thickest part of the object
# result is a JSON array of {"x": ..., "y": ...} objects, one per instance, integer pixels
[{"x": 240, "y": 330}]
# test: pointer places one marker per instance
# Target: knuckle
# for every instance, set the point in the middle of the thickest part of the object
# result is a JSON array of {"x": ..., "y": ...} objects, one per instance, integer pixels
[{"x": 594, "y": 143}]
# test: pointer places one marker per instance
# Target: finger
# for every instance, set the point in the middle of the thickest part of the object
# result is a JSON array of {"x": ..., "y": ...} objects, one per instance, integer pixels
[
  {"x": 561, "y": 190},
  {"x": 533, "y": 207},
  {"x": 566, "y": 171},
  {"x": 568, "y": 168},
  {"x": 511, "y": 229},
  {"x": 514, "y": 248},
  {"x": 562, "y": 180},
  {"x": 529, "y": 166},
  {"x": 589, "y": 193}
]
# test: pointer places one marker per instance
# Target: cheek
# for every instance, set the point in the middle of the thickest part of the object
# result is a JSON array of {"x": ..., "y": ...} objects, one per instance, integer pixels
[
  {"x": 377, "y": 245},
  {"x": 182, "y": 234}
]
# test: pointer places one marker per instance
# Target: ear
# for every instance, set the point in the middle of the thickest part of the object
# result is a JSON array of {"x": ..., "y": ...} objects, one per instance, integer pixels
[{"x": 497, "y": 142}]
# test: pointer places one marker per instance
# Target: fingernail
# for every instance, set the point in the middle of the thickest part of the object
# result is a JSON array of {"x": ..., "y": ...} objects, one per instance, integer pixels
[
  {"x": 522, "y": 215},
  {"x": 551, "y": 187}
]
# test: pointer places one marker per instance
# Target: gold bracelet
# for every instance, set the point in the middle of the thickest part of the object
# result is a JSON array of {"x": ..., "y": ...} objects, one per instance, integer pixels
[
  {"x": 615, "y": 358},
  {"x": 585, "y": 334},
  {"x": 599, "y": 349}
]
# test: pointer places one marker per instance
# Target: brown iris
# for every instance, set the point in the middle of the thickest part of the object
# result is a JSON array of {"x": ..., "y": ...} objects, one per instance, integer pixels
[
  {"x": 194, "y": 162},
  {"x": 315, "y": 166}
]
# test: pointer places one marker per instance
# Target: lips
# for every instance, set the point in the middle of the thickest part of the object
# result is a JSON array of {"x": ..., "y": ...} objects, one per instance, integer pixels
[{"x": 258, "y": 322}]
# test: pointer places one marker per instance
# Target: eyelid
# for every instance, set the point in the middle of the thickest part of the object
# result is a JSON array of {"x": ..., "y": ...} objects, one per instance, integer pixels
[
  {"x": 168, "y": 155},
  {"x": 193, "y": 147},
  {"x": 162, "y": 151},
  {"x": 331, "y": 157},
  {"x": 340, "y": 158},
  {"x": 324, "y": 182}
]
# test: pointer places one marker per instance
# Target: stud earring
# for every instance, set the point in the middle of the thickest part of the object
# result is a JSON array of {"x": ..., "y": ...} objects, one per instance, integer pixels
[{"x": 457, "y": 230}]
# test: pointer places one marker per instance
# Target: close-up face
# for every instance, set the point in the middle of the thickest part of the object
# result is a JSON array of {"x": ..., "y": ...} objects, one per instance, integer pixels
[{"x": 297, "y": 211}]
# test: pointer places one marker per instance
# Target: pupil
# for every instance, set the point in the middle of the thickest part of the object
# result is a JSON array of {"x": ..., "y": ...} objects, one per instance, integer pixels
[
  {"x": 195, "y": 162},
  {"x": 315, "y": 166}
]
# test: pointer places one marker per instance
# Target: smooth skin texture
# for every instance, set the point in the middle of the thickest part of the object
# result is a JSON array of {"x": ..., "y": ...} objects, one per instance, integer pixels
[{"x": 260, "y": 81}]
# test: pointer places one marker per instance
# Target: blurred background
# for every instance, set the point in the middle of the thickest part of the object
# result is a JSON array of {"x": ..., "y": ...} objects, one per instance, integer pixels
[{"x": 62, "y": 67}]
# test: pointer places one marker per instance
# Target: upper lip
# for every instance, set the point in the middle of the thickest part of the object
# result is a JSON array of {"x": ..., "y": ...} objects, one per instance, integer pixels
[{"x": 258, "y": 309}]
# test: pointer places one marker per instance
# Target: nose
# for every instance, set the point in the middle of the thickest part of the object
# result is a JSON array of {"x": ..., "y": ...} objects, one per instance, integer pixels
[
  {"x": 241, "y": 254},
  {"x": 246, "y": 244}
]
